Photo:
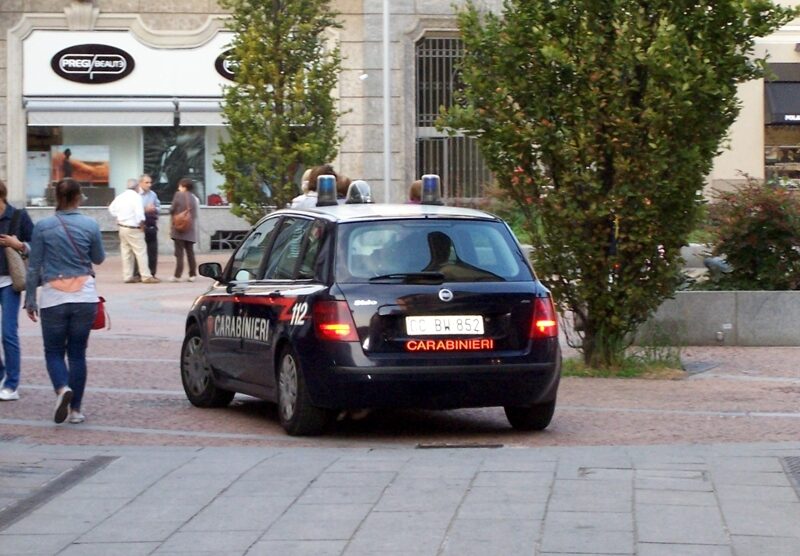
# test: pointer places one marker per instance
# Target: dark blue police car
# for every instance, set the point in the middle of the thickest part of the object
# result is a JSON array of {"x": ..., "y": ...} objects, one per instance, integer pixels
[{"x": 361, "y": 305}]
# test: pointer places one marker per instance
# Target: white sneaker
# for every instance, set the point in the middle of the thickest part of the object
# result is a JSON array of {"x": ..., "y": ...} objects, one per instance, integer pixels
[
  {"x": 8, "y": 395},
  {"x": 191, "y": 278},
  {"x": 62, "y": 405},
  {"x": 76, "y": 417},
  {"x": 174, "y": 279}
]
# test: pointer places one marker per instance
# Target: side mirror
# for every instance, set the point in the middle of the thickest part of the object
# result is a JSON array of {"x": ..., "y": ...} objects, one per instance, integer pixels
[{"x": 210, "y": 270}]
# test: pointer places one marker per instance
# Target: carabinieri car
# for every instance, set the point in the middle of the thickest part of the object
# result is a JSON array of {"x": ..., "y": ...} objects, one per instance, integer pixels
[{"x": 361, "y": 306}]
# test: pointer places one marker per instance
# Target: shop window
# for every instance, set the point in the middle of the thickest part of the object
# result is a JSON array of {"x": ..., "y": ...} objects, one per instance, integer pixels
[
  {"x": 782, "y": 155},
  {"x": 172, "y": 153}
]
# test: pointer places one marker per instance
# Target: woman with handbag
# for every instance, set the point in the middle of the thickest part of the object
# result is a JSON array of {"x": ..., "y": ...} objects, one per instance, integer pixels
[
  {"x": 183, "y": 229},
  {"x": 15, "y": 230},
  {"x": 63, "y": 248}
]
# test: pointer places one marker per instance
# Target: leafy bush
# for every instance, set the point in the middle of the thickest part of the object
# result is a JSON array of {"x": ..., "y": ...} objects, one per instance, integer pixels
[{"x": 758, "y": 230}]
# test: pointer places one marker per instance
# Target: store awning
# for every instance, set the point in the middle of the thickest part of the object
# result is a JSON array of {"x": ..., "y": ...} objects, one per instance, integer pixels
[
  {"x": 200, "y": 112},
  {"x": 782, "y": 103},
  {"x": 127, "y": 112}
]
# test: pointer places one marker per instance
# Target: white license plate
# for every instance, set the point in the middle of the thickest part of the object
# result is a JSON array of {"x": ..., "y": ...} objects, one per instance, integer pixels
[{"x": 446, "y": 325}]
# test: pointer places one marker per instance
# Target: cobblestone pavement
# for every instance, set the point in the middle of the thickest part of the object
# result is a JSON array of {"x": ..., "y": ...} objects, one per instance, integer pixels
[{"x": 625, "y": 441}]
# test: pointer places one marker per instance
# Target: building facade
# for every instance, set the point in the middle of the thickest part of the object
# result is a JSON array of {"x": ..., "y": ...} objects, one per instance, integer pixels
[{"x": 104, "y": 90}]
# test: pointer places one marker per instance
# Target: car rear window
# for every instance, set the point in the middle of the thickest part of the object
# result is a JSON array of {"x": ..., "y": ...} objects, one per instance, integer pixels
[{"x": 462, "y": 251}]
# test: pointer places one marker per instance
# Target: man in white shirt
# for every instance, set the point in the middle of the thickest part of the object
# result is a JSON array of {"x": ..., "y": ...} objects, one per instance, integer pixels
[{"x": 128, "y": 210}]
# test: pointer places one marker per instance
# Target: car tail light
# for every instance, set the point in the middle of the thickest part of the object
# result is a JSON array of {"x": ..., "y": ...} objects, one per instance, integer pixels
[
  {"x": 333, "y": 321},
  {"x": 545, "y": 321}
]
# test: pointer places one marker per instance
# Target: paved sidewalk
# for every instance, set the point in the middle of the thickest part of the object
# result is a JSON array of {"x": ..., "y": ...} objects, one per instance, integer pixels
[{"x": 683, "y": 500}]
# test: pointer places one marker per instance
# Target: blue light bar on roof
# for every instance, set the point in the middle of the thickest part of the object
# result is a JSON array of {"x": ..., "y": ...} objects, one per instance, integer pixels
[
  {"x": 431, "y": 190},
  {"x": 326, "y": 190}
]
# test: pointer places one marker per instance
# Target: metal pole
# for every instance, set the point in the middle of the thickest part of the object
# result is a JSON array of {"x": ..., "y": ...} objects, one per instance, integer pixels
[{"x": 387, "y": 105}]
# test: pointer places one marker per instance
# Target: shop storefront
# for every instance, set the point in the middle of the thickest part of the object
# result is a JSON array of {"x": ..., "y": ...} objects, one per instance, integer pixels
[{"x": 103, "y": 107}]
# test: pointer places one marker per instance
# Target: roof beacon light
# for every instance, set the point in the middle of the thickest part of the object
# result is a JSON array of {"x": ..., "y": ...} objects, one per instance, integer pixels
[
  {"x": 431, "y": 190},
  {"x": 358, "y": 193},
  {"x": 326, "y": 190}
]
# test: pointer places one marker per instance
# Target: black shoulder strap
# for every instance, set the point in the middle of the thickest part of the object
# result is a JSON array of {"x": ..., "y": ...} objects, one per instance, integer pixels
[{"x": 14, "y": 225}]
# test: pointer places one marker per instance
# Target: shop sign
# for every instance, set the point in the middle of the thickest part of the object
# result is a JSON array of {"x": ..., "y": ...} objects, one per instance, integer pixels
[
  {"x": 92, "y": 63},
  {"x": 225, "y": 66}
]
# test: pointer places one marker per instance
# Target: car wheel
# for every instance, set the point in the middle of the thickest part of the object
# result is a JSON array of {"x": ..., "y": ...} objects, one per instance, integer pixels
[
  {"x": 297, "y": 415},
  {"x": 532, "y": 418},
  {"x": 196, "y": 373}
]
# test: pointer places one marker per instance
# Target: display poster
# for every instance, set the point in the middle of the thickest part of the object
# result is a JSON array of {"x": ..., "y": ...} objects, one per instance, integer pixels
[
  {"x": 172, "y": 153},
  {"x": 88, "y": 164},
  {"x": 37, "y": 177},
  {"x": 782, "y": 165}
]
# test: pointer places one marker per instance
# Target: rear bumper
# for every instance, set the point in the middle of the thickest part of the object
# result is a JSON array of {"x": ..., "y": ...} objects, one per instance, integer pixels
[{"x": 437, "y": 387}]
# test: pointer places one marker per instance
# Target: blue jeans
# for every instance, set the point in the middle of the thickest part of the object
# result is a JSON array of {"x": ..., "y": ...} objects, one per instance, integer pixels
[
  {"x": 9, "y": 312},
  {"x": 65, "y": 331}
]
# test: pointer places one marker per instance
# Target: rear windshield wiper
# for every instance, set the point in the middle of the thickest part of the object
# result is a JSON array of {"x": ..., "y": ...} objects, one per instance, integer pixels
[{"x": 410, "y": 277}]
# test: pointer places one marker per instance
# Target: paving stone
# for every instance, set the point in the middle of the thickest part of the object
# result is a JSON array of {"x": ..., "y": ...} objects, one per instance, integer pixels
[
  {"x": 515, "y": 479},
  {"x": 674, "y": 483},
  {"x": 769, "y": 464},
  {"x": 757, "y": 493},
  {"x": 212, "y": 541},
  {"x": 769, "y": 519},
  {"x": 341, "y": 495},
  {"x": 122, "y": 531},
  {"x": 280, "y": 487},
  {"x": 239, "y": 513},
  {"x": 297, "y": 548},
  {"x": 318, "y": 522},
  {"x": 406, "y": 532},
  {"x": 364, "y": 478},
  {"x": 599, "y": 521},
  {"x": 680, "y": 525},
  {"x": 576, "y": 495},
  {"x": 104, "y": 549},
  {"x": 510, "y": 494},
  {"x": 33, "y": 544},
  {"x": 490, "y": 536},
  {"x": 658, "y": 549},
  {"x": 757, "y": 478},
  {"x": 587, "y": 541},
  {"x": 368, "y": 464},
  {"x": 762, "y": 546},
  {"x": 422, "y": 495},
  {"x": 675, "y": 497},
  {"x": 471, "y": 509}
]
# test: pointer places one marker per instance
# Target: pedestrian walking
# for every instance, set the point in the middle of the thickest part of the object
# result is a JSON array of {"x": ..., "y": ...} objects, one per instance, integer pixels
[
  {"x": 15, "y": 231},
  {"x": 127, "y": 208},
  {"x": 63, "y": 248},
  {"x": 183, "y": 229}
]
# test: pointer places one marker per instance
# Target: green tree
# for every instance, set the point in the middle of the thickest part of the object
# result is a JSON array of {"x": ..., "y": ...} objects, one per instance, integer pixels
[
  {"x": 601, "y": 119},
  {"x": 280, "y": 111}
]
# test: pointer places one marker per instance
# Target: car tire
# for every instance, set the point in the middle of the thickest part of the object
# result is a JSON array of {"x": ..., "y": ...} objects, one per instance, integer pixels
[
  {"x": 532, "y": 418},
  {"x": 297, "y": 415},
  {"x": 196, "y": 373}
]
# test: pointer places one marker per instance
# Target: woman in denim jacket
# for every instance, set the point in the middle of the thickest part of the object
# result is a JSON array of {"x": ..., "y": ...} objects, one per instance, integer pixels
[{"x": 63, "y": 248}]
